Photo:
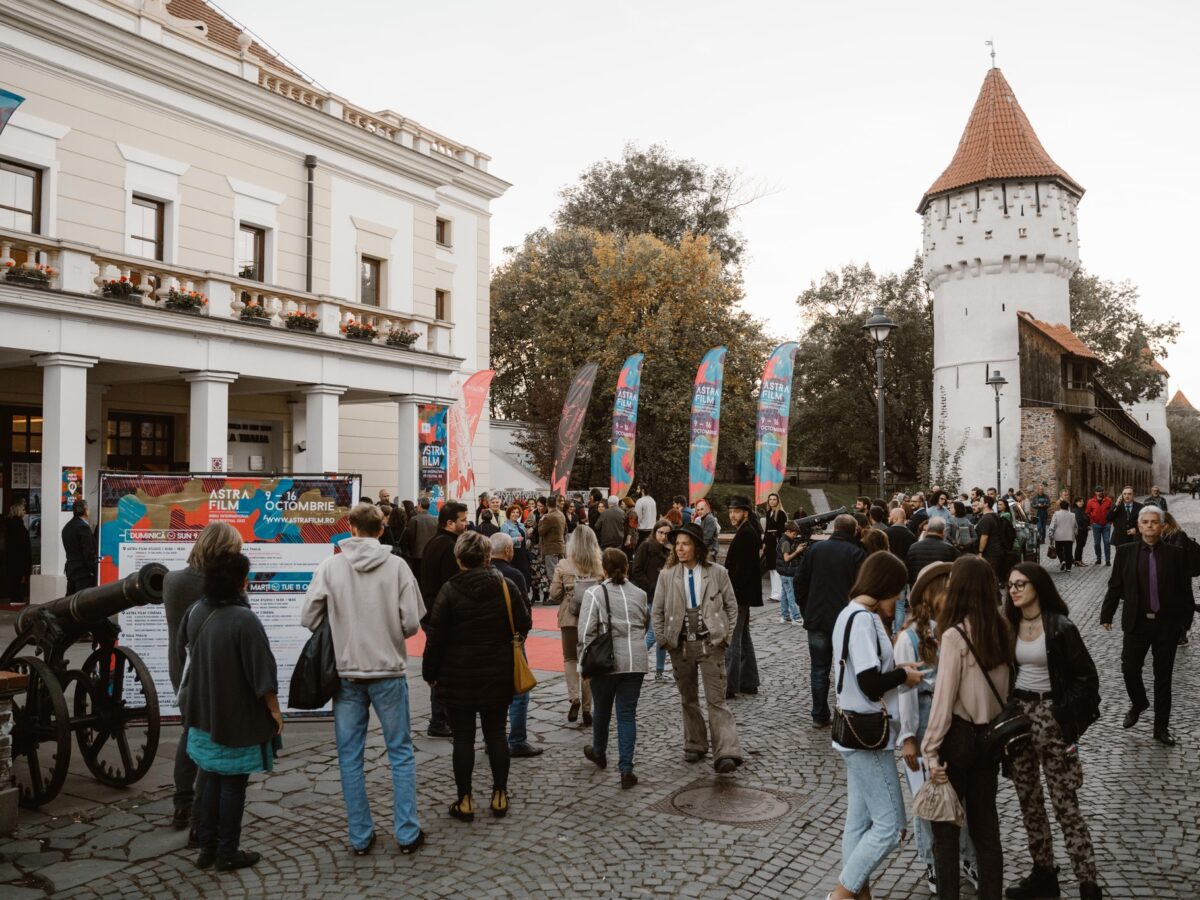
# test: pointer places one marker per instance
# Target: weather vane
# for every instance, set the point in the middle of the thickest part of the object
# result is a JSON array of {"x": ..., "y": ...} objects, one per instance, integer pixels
[{"x": 992, "y": 44}]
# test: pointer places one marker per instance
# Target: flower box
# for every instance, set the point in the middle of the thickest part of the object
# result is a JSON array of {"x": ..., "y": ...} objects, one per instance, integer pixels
[
  {"x": 185, "y": 301},
  {"x": 402, "y": 338},
  {"x": 36, "y": 276},
  {"x": 122, "y": 289},
  {"x": 301, "y": 321},
  {"x": 360, "y": 331},
  {"x": 254, "y": 314}
]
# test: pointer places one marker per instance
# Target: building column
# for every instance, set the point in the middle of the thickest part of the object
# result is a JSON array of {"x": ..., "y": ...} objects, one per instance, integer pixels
[
  {"x": 208, "y": 419},
  {"x": 94, "y": 436},
  {"x": 408, "y": 455},
  {"x": 64, "y": 445},
  {"x": 321, "y": 426}
]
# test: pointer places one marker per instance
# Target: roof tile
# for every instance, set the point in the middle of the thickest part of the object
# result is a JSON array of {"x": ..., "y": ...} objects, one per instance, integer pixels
[
  {"x": 1061, "y": 335},
  {"x": 223, "y": 32}
]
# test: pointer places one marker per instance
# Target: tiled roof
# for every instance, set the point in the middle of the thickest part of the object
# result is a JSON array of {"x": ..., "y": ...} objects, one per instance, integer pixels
[
  {"x": 1180, "y": 402},
  {"x": 997, "y": 143},
  {"x": 1061, "y": 335},
  {"x": 224, "y": 33}
]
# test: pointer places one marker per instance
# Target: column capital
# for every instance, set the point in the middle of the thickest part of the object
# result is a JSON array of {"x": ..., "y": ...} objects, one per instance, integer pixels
[
  {"x": 419, "y": 398},
  {"x": 214, "y": 376},
  {"x": 65, "y": 359},
  {"x": 335, "y": 390}
]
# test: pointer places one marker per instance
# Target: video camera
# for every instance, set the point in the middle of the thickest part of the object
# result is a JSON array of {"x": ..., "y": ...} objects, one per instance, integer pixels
[{"x": 809, "y": 524}]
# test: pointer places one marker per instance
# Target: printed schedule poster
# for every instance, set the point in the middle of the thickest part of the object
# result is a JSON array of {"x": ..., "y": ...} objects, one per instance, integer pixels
[{"x": 288, "y": 525}]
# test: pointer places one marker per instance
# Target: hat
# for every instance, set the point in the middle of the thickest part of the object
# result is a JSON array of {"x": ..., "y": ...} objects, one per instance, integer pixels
[
  {"x": 740, "y": 502},
  {"x": 927, "y": 575},
  {"x": 692, "y": 530},
  {"x": 1097, "y": 489}
]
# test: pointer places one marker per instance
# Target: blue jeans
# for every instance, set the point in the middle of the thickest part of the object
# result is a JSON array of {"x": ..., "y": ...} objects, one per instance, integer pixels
[
  {"x": 351, "y": 714},
  {"x": 660, "y": 655},
  {"x": 874, "y": 814},
  {"x": 623, "y": 688},
  {"x": 901, "y": 610},
  {"x": 820, "y": 653},
  {"x": 922, "y": 827},
  {"x": 788, "y": 608},
  {"x": 518, "y": 710},
  {"x": 1100, "y": 532},
  {"x": 220, "y": 802}
]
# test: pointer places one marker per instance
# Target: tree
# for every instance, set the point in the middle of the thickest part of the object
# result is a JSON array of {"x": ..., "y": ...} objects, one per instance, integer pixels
[
  {"x": 1105, "y": 316},
  {"x": 834, "y": 416},
  {"x": 1184, "y": 424},
  {"x": 652, "y": 192}
]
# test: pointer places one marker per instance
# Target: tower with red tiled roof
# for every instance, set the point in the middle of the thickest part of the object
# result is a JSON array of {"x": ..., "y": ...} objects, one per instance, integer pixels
[{"x": 999, "y": 236}]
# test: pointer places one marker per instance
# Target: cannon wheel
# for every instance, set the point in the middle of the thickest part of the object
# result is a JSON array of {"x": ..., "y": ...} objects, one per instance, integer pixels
[
  {"x": 41, "y": 737},
  {"x": 118, "y": 734}
]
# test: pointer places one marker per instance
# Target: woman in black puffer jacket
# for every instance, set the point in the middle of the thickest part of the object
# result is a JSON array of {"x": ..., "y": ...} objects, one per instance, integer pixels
[{"x": 469, "y": 657}]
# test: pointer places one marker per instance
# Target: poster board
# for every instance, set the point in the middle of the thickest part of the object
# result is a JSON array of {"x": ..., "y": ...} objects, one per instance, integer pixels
[{"x": 288, "y": 524}]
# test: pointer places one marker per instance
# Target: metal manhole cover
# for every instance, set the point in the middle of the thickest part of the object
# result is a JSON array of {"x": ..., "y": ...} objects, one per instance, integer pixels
[{"x": 729, "y": 803}]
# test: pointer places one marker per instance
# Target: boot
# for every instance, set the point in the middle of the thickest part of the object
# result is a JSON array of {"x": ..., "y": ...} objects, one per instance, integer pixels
[
  {"x": 571, "y": 675},
  {"x": 1089, "y": 890},
  {"x": 1041, "y": 882}
]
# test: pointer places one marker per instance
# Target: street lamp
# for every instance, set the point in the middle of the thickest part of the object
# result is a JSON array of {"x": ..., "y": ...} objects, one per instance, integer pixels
[
  {"x": 879, "y": 326},
  {"x": 997, "y": 381}
]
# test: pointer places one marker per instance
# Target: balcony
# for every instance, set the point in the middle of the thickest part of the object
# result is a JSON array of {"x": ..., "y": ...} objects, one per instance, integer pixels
[{"x": 177, "y": 290}]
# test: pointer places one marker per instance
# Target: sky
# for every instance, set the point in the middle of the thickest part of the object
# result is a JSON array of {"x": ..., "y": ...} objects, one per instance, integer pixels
[{"x": 840, "y": 114}]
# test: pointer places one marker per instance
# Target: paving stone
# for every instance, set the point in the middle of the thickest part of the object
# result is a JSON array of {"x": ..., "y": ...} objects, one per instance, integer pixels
[
  {"x": 156, "y": 843},
  {"x": 67, "y": 875}
]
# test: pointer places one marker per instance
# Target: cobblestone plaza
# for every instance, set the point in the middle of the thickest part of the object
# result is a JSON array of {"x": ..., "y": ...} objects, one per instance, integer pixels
[{"x": 771, "y": 830}]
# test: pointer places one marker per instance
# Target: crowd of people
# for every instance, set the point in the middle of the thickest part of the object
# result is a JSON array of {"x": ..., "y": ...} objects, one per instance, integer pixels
[{"x": 941, "y": 636}]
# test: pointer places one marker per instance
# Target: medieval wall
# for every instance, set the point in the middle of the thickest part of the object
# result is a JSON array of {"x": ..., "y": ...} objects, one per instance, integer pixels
[{"x": 1065, "y": 453}]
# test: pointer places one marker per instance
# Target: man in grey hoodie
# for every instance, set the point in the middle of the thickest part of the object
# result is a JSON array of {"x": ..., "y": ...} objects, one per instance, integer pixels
[{"x": 373, "y": 604}]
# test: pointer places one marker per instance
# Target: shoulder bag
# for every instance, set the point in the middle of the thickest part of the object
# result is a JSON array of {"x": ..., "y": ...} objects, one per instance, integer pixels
[
  {"x": 523, "y": 680},
  {"x": 1008, "y": 731},
  {"x": 598, "y": 656},
  {"x": 855, "y": 730},
  {"x": 315, "y": 679}
]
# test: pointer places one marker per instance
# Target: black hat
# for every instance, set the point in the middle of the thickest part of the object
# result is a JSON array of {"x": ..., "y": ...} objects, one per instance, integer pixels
[
  {"x": 692, "y": 530},
  {"x": 740, "y": 502}
]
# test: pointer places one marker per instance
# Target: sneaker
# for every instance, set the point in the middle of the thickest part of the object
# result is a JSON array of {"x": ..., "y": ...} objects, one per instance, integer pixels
[
  {"x": 628, "y": 780},
  {"x": 783, "y": 621},
  {"x": 659, "y": 676},
  {"x": 409, "y": 849},
  {"x": 440, "y": 731},
  {"x": 365, "y": 848},
  {"x": 524, "y": 751},
  {"x": 931, "y": 879},
  {"x": 600, "y": 760},
  {"x": 971, "y": 872}
]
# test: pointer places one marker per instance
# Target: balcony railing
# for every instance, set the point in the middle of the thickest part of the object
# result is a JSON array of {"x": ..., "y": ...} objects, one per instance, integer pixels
[{"x": 148, "y": 284}]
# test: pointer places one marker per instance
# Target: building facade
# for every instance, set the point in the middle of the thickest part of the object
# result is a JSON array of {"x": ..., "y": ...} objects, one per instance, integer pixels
[{"x": 244, "y": 272}]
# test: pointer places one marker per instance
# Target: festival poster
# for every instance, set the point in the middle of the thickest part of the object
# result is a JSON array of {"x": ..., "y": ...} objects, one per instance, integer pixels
[
  {"x": 432, "y": 445},
  {"x": 72, "y": 487},
  {"x": 706, "y": 424},
  {"x": 570, "y": 426},
  {"x": 8, "y": 105},
  {"x": 288, "y": 524},
  {"x": 774, "y": 409},
  {"x": 463, "y": 423},
  {"x": 624, "y": 427}
]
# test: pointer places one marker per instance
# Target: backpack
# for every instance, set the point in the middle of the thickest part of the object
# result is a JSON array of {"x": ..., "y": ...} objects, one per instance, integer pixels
[{"x": 965, "y": 538}]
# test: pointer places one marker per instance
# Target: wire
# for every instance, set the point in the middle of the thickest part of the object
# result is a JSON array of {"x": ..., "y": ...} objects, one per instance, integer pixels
[{"x": 262, "y": 42}]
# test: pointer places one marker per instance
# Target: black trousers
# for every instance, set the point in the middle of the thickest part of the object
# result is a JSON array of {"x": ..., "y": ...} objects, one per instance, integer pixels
[
  {"x": 185, "y": 774},
  {"x": 976, "y": 782},
  {"x": 80, "y": 580},
  {"x": 1162, "y": 639},
  {"x": 494, "y": 721},
  {"x": 1080, "y": 543},
  {"x": 741, "y": 665},
  {"x": 220, "y": 802},
  {"x": 1063, "y": 549}
]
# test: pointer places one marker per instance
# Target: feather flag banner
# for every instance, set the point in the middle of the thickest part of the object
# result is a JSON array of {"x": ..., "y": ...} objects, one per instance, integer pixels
[
  {"x": 463, "y": 423},
  {"x": 624, "y": 428},
  {"x": 8, "y": 105},
  {"x": 774, "y": 410},
  {"x": 570, "y": 426},
  {"x": 706, "y": 423}
]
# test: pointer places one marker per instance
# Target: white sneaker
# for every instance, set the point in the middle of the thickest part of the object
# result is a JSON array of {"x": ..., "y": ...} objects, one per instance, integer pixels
[
  {"x": 782, "y": 621},
  {"x": 931, "y": 879},
  {"x": 971, "y": 872}
]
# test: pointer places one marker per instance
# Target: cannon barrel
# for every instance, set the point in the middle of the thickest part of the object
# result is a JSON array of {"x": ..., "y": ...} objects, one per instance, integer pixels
[{"x": 94, "y": 604}]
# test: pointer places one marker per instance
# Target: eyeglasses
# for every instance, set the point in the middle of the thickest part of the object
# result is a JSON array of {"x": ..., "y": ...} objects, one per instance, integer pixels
[{"x": 1018, "y": 585}]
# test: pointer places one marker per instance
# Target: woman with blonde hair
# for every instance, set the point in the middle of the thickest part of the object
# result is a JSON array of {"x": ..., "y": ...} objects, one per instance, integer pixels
[
  {"x": 181, "y": 589},
  {"x": 582, "y": 561}
]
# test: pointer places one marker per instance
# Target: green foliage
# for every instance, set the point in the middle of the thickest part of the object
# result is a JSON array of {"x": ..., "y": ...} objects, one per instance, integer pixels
[{"x": 1184, "y": 425}]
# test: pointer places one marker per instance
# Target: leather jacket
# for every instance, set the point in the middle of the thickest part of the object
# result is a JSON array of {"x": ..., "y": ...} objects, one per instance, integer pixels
[{"x": 1074, "y": 683}]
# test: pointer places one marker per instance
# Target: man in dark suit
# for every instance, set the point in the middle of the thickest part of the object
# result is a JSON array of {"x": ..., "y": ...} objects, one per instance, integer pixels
[
  {"x": 1124, "y": 518},
  {"x": 79, "y": 542},
  {"x": 743, "y": 562},
  {"x": 827, "y": 572},
  {"x": 1152, "y": 578}
]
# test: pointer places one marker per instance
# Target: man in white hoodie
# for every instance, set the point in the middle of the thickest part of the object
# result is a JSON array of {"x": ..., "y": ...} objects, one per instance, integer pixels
[{"x": 373, "y": 604}]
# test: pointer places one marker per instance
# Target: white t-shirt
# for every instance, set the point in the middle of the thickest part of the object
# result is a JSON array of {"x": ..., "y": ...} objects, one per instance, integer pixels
[
  {"x": 647, "y": 513},
  {"x": 870, "y": 647}
]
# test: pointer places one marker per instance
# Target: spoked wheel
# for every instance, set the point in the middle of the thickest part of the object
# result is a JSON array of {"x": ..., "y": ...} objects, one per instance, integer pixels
[
  {"x": 41, "y": 736},
  {"x": 116, "y": 715}
]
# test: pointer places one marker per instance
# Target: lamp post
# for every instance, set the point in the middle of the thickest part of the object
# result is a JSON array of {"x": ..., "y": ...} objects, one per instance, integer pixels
[
  {"x": 997, "y": 381},
  {"x": 879, "y": 326}
]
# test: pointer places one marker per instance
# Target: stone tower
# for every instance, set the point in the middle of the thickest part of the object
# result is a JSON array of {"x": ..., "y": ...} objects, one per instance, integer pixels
[
  {"x": 999, "y": 236},
  {"x": 1152, "y": 416}
]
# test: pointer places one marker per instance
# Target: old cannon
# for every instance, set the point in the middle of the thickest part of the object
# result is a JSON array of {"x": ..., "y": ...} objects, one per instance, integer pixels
[{"x": 113, "y": 711}]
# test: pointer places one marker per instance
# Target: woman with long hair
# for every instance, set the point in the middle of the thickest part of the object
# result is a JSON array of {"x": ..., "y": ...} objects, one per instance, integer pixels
[
  {"x": 868, "y": 677},
  {"x": 582, "y": 561},
  {"x": 539, "y": 580},
  {"x": 975, "y": 649},
  {"x": 1058, "y": 689},
  {"x": 875, "y": 541},
  {"x": 776, "y": 520}
]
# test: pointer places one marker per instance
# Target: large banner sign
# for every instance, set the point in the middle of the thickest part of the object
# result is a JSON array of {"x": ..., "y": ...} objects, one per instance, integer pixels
[
  {"x": 624, "y": 427},
  {"x": 706, "y": 424},
  {"x": 288, "y": 523},
  {"x": 570, "y": 426},
  {"x": 774, "y": 409},
  {"x": 8, "y": 105},
  {"x": 464, "y": 422},
  {"x": 432, "y": 443}
]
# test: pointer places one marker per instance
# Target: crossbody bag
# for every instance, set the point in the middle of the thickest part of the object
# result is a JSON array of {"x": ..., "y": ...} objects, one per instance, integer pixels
[
  {"x": 1009, "y": 730},
  {"x": 856, "y": 730}
]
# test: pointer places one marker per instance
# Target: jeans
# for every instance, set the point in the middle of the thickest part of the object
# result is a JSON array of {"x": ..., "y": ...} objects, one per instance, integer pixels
[
  {"x": 623, "y": 688},
  {"x": 1162, "y": 639},
  {"x": 1101, "y": 532},
  {"x": 820, "y": 653},
  {"x": 220, "y": 801},
  {"x": 788, "y": 608},
  {"x": 185, "y": 774},
  {"x": 976, "y": 782},
  {"x": 518, "y": 710},
  {"x": 660, "y": 655},
  {"x": 351, "y": 714},
  {"x": 741, "y": 665},
  {"x": 901, "y": 610},
  {"x": 923, "y": 828},
  {"x": 462, "y": 723},
  {"x": 437, "y": 712},
  {"x": 874, "y": 814}
]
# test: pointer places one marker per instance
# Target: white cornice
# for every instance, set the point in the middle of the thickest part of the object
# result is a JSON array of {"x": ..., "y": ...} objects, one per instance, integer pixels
[
  {"x": 373, "y": 227},
  {"x": 257, "y": 192},
  {"x": 37, "y": 125},
  {"x": 152, "y": 160}
]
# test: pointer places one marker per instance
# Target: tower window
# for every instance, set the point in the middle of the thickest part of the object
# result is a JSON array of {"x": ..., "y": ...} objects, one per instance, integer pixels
[{"x": 987, "y": 431}]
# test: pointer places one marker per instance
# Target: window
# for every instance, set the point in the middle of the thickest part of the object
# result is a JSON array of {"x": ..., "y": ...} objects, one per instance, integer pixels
[
  {"x": 441, "y": 304},
  {"x": 139, "y": 442},
  {"x": 20, "y": 198},
  {"x": 987, "y": 431},
  {"x": 442, "y": 232},
  {"x": 371, "y": 275},
  {"x": 251, "y": 253},
  {"x": 26, "y": 433},
  {"x": 146, "y": 231}
]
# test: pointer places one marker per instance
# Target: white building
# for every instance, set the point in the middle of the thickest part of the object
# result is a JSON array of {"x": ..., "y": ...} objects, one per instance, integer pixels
[
  {"x": 160, "y": 145},
  {"x": 1152, "y": 416}
]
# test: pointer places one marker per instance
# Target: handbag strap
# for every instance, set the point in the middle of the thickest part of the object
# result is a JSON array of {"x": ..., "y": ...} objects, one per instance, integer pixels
[
  {"x": 986, "y": 677},
  {"x": 846, "y": 648},
  {"x": 607, "y": 608},
  {"x": 508, "y": 606}
]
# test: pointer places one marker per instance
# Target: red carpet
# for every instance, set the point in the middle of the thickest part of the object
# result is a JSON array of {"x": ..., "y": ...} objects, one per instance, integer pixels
[{"x": 545, "y": 653}]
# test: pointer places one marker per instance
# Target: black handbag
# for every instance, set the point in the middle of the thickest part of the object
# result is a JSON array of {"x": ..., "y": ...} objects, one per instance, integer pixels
[
  {"x": 315, "y": 679},
  {"x": 855, "y": 730},
  {"x": 1010, "y": 729},
  {"x": 598, "y": 656}
]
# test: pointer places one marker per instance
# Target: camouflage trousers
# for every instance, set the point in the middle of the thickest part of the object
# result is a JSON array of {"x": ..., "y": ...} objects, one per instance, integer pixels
[{"x": 1047, "y": 754}]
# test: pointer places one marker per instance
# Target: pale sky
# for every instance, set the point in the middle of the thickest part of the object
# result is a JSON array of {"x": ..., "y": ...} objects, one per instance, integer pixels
[{"x": 846, "y": 112}]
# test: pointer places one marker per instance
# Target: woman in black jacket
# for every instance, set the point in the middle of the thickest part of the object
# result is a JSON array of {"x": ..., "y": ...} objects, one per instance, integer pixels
[
  {"x": 775, "y": 518},
  {"x": 648, "y": 561},
  {"x": 1058, "y": 688},
  {"x": 469, "y": 659}
]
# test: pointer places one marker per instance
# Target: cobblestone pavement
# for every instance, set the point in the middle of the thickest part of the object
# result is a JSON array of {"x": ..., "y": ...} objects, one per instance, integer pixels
[{"x": 573, "y": 832}]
